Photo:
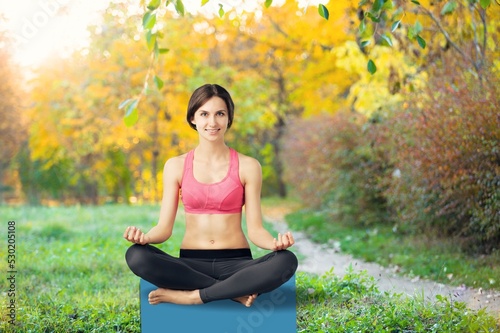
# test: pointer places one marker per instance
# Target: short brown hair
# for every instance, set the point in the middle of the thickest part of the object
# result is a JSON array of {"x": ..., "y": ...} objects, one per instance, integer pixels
[{"x": 202, "y": 94}]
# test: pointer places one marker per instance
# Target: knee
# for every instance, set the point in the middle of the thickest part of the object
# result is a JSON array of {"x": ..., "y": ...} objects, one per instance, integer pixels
[
  {"x": 134, "y": 257},
  {"x": 289, "y": 263},
  {"x": 288, "y": 257}
]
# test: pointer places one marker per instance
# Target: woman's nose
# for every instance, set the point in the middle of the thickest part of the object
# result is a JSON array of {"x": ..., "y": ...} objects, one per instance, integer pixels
[{"x": 211, "y": 120}]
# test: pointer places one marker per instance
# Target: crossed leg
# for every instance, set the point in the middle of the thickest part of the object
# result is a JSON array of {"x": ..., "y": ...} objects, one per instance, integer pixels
[{"x": 186, "y": 282}]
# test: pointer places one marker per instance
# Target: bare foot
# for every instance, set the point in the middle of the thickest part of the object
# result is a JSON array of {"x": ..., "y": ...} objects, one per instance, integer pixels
[
  {"x": 246, "y": 300},
  {"x": 162, "y": 295}
]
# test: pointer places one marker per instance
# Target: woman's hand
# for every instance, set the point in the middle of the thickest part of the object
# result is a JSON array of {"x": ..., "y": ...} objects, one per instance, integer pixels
[
  {"x": 283, "y": 241},
  {"x": 135, "y": 235}
]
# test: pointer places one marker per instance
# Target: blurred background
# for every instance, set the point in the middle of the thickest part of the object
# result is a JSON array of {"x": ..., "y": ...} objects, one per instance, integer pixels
[{"x": 383, "y": 112}]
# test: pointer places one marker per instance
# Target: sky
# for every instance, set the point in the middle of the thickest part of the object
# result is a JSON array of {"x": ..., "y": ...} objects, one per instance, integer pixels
[{"x": 40, "y": 28}]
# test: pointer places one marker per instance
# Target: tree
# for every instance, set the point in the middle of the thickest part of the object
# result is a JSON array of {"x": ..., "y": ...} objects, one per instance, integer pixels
[
  {"x": 282, "y": 62},
  {"x": 12, "y": 130},
  {"x": 283, "y": 68}
]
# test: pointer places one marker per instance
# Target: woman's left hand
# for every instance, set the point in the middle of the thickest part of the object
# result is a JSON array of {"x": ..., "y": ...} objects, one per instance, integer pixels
[{"x": 283, "y": 241}]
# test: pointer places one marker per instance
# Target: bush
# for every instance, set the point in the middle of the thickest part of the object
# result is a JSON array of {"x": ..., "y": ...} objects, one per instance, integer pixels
[
  {"x": 433, "y": 165},
  {"x": 336, "y": 164},
  {"x": 448, "y": 157}
]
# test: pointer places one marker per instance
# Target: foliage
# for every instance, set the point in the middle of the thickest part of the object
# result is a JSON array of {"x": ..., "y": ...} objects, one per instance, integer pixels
[
  {"x": 423, "y": 256},
  {"x": 151, "y": 24},
  {"x": 337, "y": 164},
  {"x": 86, "y": 134},
  {"x": 37, "y": 180},
  {"x": 429, "y": 163},
  {"x": 379, "y": 22},
  {"x": 60, "y": 292},
  {"x": 280, "y": 62},
  {"x": 448, "y": 159},
  {"x": 12, "y": 123},
  {"x": 102, "y": 158}
]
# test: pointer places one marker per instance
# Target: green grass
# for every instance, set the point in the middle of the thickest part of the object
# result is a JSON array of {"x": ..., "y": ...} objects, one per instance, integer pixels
[
  {"x": 72, "y": 277},
  {"x": 423, "y": 255},
  {"x": 353, "y": 303}
]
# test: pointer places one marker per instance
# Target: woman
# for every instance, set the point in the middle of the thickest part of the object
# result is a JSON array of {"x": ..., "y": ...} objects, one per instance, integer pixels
[{"x": 214, "y": 182}]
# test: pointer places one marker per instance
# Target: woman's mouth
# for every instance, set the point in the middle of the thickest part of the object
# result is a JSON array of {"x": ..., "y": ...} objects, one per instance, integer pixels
[{"x": 212, "y": 131}]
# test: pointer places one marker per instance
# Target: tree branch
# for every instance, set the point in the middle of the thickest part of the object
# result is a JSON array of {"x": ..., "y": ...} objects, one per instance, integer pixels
[{"x": 448, "y": 38}]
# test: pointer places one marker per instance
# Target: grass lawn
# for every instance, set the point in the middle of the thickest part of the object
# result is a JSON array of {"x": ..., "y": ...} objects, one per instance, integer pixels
[
  {"x": 425, "y": 256},
  {"x": 72, "y": 277}
]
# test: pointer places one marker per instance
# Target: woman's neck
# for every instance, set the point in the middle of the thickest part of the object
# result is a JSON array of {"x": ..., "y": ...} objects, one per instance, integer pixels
[{"x": 211, "y": 150}]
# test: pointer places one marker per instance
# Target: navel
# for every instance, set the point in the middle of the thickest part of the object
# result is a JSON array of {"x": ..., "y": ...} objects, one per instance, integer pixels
[{"x": 212, "y": 241}]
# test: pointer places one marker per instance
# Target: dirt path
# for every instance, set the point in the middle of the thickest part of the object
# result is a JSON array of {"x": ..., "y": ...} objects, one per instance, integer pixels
[{"x": 320, "y": 259}]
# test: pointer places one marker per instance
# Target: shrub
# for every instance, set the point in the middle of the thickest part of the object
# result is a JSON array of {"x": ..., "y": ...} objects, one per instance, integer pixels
[
  {"x": 335, "y": 164},
  {"x": 447, "y": 153}
]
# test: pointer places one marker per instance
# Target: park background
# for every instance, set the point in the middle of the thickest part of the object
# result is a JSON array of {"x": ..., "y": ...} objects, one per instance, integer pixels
[{"x": 377, "y": 116}]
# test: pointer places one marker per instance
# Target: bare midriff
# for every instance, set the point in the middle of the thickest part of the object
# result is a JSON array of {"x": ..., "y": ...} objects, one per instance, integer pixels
[{"x": 214, "y": 232}]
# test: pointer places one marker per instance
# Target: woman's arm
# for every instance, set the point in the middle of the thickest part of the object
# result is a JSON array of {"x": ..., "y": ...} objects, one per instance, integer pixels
[
  {"x": 251, "y": 174},
  {"x": 172, "y": 175}
]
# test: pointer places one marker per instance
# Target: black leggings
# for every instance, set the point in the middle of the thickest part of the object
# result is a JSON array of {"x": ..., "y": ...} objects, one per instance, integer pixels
[{"x": 218, "y": 274}]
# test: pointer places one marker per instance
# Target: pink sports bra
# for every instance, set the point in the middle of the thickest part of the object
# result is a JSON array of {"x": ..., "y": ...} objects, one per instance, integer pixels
[{"x": 224, "y": 197}]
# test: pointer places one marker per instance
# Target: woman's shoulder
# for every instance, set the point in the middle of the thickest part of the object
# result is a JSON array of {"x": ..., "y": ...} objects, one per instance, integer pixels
[
  {"x": 249, "y": 167},
  {"x": 247, "y": 160},
  {"x": 175, "y": 163}
]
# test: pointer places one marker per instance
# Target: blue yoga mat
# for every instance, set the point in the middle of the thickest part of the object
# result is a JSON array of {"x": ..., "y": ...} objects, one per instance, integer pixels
[{"x": 271, "y": 312}]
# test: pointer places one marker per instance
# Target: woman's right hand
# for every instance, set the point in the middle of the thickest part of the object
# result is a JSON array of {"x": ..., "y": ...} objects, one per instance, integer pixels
[{"x": 135, "y": 235}]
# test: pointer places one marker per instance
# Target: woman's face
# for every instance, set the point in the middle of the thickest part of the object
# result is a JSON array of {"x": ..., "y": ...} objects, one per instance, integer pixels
[{"x": 211, "y": 119}]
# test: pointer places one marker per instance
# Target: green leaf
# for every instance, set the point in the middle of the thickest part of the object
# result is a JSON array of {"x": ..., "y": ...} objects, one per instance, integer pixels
[
  {"x": 372, "y": 17},
  {"x": 416, "y": 2},
  {"x": 362, "y": 26},
  {"x": 388, "y": 4},
  {"x": 125, "y": 103},
  {"x": 131, "y": 118},
  {"x": 485, "y": 3},
  {"x": 371, "y": 67},
  {"x": 387, "y": 39},
  {"x": 377, "y": 5},
  {"x": 131, "y": 114},
  {"x": 323, "y": 12},
  {"x": 204, "y": 2},
  {"x": 395, "y": 25},
  {"x": 362, "y": 3},
  {"x": 151, "y": 40},
  {"x": 149, "y": 20},
  {"x": 365, "y": 43},
  {"x": 415, "y": 30},
  {"x": 158, "y": 81},
  {"x": 449, "y": 7},
  {"x": 163, "y": 50},
  {"x": 156, "y": 50},
  {"x": 221, "y": 10},
  {"x": 179, "y": 7},
  {"x": 418, "y": 27},
  {"x": 268, "y": 3},
  {"x": 153, "y": 4},
  {"x": 421, "y": 42}
]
